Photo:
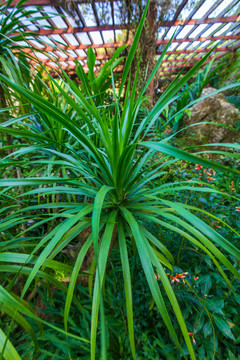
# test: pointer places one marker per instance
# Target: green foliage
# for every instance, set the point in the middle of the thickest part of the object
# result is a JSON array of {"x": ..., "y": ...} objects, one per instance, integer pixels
[
  {"x": 213, "y": 320},
  {"x": 227, "y": 69},
  {"x": 9, "y": 41},
  {"x": 97, "y": 86},
  {"x": 235, "y": 100},
  {"x": 88, "y": 166},
  {"x": 174, "y": 113}
]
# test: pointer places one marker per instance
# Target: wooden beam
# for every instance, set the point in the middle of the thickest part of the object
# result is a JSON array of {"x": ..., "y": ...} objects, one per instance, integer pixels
[
  {"x": 164, "y": 69},
  {"x": 104, "y": 57},
  {"x": 49, "y": 48},
  {"x": 225, "y": 19},
  {"x": 192, "y": 13},
  {"x": 73, "y": 30},
  {"x": 192, "y": 59},
  {"x": 198, "y": 51},
  {"x": 66, "y": 20},
  {"x": 70, "y": 67},
  {"x": 168, "y": 71},
  {"x": 81, "y": 18},
  {"x": 85, "y": 47},
  {"x": 201, "y": 38},
  {"x": 46, "y": 2},
  {"x": 178, "y": 12},
  {"x": 188, "y": 62},
  {"x": 70, "y": 58},
  {"x": 113, "y": 21},
  {"x": 177, "y": 66},
  {"x": 98, "y": 22}
]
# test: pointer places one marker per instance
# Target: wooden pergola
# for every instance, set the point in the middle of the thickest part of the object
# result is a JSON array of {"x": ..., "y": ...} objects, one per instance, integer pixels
[{"x": 194, "y": 35}]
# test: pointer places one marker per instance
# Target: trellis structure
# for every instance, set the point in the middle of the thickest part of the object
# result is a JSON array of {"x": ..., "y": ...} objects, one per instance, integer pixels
[{"x": 202, "y": 27}]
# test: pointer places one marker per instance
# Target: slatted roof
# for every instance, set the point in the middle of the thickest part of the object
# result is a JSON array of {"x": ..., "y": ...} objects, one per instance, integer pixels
[{"x": 197, "y": 30}]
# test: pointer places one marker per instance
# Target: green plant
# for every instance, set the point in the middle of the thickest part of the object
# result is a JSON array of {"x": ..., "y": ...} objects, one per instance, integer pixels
[
  {"x": 97, "y": 86},
  {"x": 174, "y": 113},
  {"x": 10, "y": 48},
  {"x": 235, "y": 100},
  {"x": 204, "y": 299},
  {"x": 108, "y": 183},
  {"x": 13, "y": 60},
  {"x": 227, "y": 69}
]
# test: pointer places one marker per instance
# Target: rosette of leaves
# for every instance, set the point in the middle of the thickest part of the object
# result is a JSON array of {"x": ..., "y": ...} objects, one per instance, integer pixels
[{"x": 114, "y": 168}]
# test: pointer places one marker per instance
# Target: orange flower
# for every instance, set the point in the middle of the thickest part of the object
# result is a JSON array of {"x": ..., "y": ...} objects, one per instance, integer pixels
[
  {"x": 195, "y": 278},
  {"x": 238, "y": 208},
  {"x": 193, "y": 339},
  {"x": 174, "y": 278},
  {"x": 177, "y": 277},
  {"x": 157, "y": 276}
]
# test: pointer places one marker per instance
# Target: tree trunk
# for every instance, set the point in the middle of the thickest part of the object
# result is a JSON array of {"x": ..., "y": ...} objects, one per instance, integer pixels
[{"x": 148, "y": 46}]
